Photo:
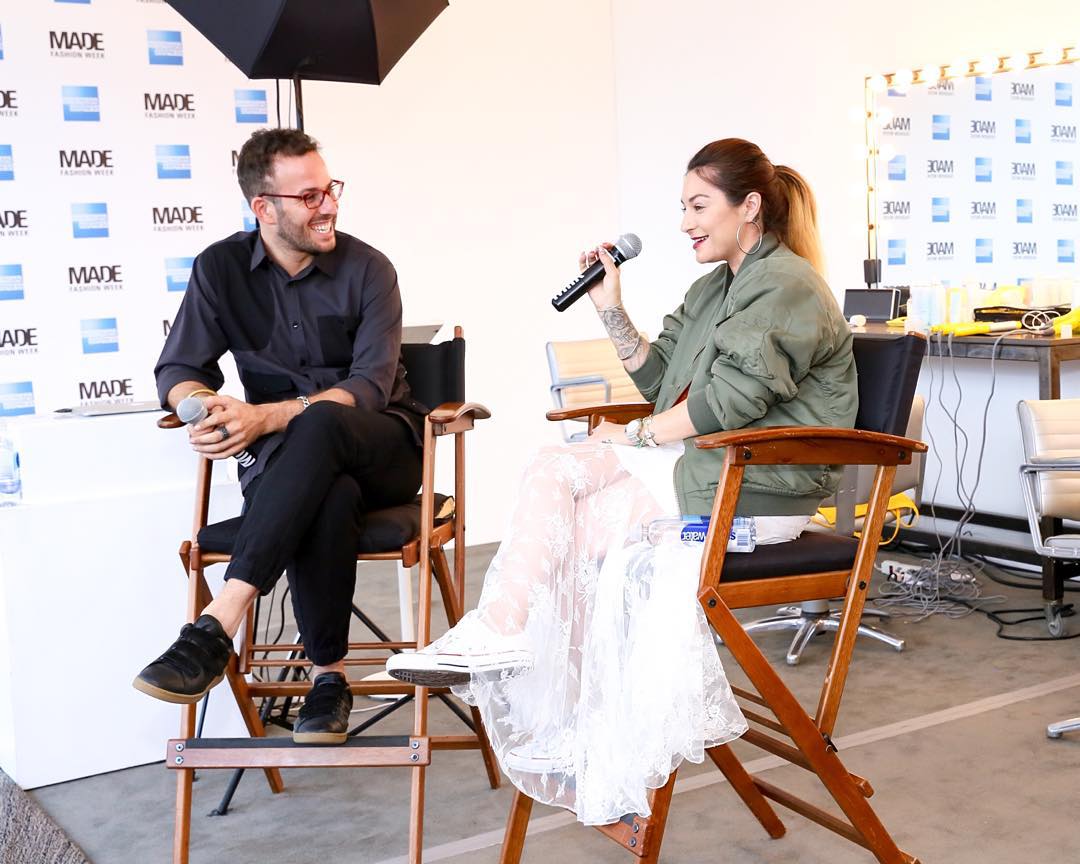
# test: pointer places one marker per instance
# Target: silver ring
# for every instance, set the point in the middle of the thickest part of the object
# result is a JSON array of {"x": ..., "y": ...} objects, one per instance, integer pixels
[{"x": 223, "y": 432}]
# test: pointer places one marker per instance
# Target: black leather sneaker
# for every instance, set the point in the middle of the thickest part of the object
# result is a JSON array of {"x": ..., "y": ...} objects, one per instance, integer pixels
[
  {"x": 324, "y": 716},
  {"x": 191, "y": 666}
]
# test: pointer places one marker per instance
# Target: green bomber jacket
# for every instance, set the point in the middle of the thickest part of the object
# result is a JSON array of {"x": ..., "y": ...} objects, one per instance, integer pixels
[{"x": 767, "y": 347}]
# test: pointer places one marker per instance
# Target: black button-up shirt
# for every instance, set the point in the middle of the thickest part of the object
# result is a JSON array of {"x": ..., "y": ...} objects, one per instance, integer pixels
[{"x": 336, "y": 323}]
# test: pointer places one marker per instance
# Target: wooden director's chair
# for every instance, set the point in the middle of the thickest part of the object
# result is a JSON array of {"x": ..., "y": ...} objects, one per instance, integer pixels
[
  {"x": 816, "y": 566},
  {"x": 414, "y": 533}
]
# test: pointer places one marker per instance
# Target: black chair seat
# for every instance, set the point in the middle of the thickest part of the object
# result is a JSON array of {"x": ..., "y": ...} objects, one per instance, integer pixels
[
  {"x": 383, "y": 530},
  {"x": 813, "y": 552}
]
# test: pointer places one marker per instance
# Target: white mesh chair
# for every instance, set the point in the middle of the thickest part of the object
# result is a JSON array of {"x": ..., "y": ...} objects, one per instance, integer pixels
[
  {"x": 587, "y": 372},
  {"x": 1050, "y": 480}
]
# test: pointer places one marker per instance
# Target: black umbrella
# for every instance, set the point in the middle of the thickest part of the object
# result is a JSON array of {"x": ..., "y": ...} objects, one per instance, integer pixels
[{"x": 321, "y": 40}]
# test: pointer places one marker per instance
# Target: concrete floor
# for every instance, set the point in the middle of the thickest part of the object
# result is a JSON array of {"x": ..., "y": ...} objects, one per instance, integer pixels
[{"x": 951, "y": 733}]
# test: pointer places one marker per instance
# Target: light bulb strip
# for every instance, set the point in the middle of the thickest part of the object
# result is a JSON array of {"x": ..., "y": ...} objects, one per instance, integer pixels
[{"x": 1002, "y": 63}]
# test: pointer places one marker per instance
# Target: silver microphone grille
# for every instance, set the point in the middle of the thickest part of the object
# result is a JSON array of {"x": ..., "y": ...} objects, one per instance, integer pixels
[
  {"x": 629, "y": 245},
  {"x": 191, "y": 410}
]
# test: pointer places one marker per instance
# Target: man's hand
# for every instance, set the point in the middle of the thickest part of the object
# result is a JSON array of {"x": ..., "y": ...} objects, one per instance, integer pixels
[
  {"x": 243, "y": 422},
  {"x": 612, "y": 432}
]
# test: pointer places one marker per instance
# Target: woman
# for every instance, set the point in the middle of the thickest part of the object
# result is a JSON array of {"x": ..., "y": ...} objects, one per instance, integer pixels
[{"x": 589, "y": 657}]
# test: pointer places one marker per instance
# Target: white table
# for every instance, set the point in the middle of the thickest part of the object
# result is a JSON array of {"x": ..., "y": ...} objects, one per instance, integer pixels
[{"x": 91, "y": 589}]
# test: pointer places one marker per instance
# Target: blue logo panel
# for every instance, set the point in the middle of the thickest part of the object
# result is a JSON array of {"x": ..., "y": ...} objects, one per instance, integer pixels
[
  {"x": 1025, "y": 211},
  {"x": 16, "y": 398},
  {"x": 939, "y": 210},
  {"x": 1, "y": 43},
  {"x": 984, "y": 169},
  {"x": 250, "y": 222},
  {"x": 251, "y": 106},
  {"x": 7, "y": 163},
  {"x": 898, "y": 168},
  {"x": 89, "y": 220},
  {"x": 1023, "y": 131},
  {"x": 983, "y": 91},
  {"x": 1066, "y": 252},
  {"x": 99, "y": 335},
  {"x": 898, "y": 251},
  {"x": 81, "y": 104},
  {"x": 1063, "y": 94},
  {"x": 984, "y": 250},
  {"x": 940, "y": 127},
  {"x": 177, "y": 273},
  {"x": 1063, "y": 173},
  {"x": 11, "y": 282},
  {"x": 165, "y": 47},
  {"x": 173, "y": 161}
]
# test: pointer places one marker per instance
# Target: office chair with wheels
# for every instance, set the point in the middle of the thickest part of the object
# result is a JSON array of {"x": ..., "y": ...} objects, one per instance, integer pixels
[
  {"x": 1050, "y": 480},
  {"x": 411, "y": 534},
  {"x": 815, "y": 566},
  {"x": 814, "y": 617}
]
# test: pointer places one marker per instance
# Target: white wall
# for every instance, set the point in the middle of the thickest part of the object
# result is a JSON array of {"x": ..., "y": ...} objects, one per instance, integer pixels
[{"x": 482, "y": 166}]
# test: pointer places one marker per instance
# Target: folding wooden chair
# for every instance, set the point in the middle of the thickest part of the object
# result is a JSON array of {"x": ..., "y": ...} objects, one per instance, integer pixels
[
  {"x": 816, "y": 566},
  {"x": 411, "y": 534}
]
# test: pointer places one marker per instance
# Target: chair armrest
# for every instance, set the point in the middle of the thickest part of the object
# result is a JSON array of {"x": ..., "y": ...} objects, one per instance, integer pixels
[
  {"x": 1037, "y": 465},
  {"x": 169, "y": 421},
  {"x": 451, "y": 417},
  {"x": 618, "y": 413},
  {"x": 812, "y": 445},
  {"x": 584, "y": 381}
]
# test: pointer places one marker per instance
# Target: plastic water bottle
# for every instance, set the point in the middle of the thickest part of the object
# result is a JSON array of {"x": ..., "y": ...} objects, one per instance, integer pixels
[
  {"x": 10, "y": 479},
  {"x": 692, "y": 529}
]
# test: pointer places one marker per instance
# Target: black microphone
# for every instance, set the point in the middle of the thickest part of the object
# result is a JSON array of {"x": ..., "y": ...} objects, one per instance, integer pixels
[
  {"x": 192, "y": 410},
  {"x": 626, "y": 247}
]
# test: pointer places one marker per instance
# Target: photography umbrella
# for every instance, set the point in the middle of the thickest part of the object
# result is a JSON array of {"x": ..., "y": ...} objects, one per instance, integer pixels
[{"x": 321, "y": 40}]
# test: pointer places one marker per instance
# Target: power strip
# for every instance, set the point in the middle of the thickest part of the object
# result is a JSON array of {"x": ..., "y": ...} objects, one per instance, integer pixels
[{"x": 897, "y": 571}]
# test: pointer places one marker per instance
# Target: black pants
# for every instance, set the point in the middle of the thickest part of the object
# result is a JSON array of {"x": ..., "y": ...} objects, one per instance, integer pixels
[{"x": 304, "y": 512}]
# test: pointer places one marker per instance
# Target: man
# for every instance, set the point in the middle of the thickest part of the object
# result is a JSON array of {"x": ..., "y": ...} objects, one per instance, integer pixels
[{"x": 313, "y": 320}]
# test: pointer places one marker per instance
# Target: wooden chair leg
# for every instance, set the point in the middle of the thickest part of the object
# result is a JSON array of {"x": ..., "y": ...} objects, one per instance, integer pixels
[
  {"x": 255, "y": 726},
  {"x": 517, "y": 825},
  {"x": 184, "y": 778},
  {"x": 416, "y": 815},
  {"x": 743, "y": 784},
  {"x": 491, "y": 764},
  {"x": 865, "y": 827},
  {"x": 660, "y": 804}
]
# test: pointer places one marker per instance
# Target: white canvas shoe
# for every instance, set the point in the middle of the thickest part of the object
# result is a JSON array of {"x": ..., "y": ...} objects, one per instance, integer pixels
[
  {"x": 466, "y": 650},
  {"x": 536, "y": 757}
]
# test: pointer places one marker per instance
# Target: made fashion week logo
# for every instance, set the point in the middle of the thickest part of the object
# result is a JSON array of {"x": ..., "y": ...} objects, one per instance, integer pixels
[
  {"x": 168, "y": 106},
  {"x": 94, "y": 278},
  {"x": 86, "y": 163},
  {"x": 76, "y": 45}
]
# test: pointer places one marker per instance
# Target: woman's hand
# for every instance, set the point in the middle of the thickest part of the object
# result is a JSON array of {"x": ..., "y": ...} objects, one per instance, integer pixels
[
  {"x": 612, "y": 432},
  {"x": 609, "y": 292}
]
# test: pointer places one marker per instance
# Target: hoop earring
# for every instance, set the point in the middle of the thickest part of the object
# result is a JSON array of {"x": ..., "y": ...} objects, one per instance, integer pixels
[{"x": 738, "y": 241}]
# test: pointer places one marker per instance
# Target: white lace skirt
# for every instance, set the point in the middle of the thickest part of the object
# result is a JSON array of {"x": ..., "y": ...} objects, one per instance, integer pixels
[{"x": 626, "y": 682}]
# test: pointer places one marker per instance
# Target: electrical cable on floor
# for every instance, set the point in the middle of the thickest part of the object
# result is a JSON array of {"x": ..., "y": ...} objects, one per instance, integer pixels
[{"x": 947, "y": 584}]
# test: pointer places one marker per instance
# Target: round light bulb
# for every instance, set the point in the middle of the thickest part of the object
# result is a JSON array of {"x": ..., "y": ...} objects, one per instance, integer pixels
[
  {"x": 886, "y": 151},
  {"x": 884, "y": 116},
  {"x": 1051, "y": 55},
  {"x": 856, "y": 114},
  {"x": 958, "y": 68},
  {"x": 877, "y": 83},
  {"x": 903, "y": 78},
  {"x": 988, "y": 65},
  {"x": 1018, "y": 60}
]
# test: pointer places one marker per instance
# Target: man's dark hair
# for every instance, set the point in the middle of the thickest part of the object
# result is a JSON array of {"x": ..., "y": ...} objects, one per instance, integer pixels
[{"x": 255, "y": 164}]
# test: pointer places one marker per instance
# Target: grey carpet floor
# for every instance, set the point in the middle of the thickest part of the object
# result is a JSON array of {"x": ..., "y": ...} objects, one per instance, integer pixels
[{"x": 27, "y": 834}]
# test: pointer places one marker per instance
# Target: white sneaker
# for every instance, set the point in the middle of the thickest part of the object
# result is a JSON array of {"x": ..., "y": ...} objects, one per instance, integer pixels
[
  {"x": 466, "y": 650},
  {"x": 536, "y": 757}
]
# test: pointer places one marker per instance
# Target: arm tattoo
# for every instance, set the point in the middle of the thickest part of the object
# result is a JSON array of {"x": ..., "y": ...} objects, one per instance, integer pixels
[{"x": 628, "y": 342}]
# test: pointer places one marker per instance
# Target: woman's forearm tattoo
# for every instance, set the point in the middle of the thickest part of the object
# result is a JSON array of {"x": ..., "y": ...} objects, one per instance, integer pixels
[{"x": 623, "y": 334}]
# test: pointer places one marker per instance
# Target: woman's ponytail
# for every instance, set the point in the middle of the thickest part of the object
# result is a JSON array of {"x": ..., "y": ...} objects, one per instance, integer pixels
[{"x": 799, "y": 229}]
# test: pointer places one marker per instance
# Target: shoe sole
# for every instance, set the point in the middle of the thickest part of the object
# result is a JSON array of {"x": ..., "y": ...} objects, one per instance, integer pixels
[
  {"x": 430, "y": 677},
  {"x": 169, "y": 696},
  {"x": 320, "y": 737}
]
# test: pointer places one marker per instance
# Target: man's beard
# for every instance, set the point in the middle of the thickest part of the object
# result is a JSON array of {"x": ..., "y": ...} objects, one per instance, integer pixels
[{"x": 295, "y": 236}]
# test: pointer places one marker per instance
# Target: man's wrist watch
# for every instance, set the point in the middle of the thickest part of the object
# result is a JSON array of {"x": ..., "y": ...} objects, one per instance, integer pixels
[
  {"x": 633, "y": 432},
  {"x": 304, "y": 401}
]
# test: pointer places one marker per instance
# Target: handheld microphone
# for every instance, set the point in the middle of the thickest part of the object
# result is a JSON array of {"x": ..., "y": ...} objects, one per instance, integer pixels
[
  {"x": 626, "y": 247},
  {"x": 192, "y": 410}
]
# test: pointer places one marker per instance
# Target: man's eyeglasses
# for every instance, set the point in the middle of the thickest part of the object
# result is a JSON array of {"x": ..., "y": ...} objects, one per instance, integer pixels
[{"x": 313, "y": 200}]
